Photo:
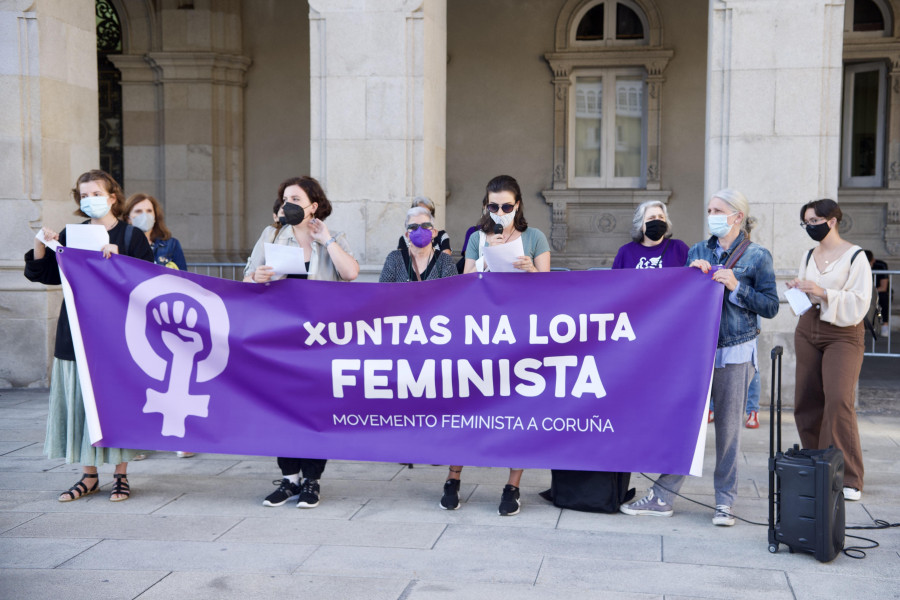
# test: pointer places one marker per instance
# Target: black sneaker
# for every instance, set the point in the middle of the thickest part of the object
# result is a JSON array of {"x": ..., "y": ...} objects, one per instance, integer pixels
[
  {"x": 285, "y": 492},
  {"x": 309, "y": 494},
  {"x": 450, "y": 499},
  {"x": 509, "y": 501}
]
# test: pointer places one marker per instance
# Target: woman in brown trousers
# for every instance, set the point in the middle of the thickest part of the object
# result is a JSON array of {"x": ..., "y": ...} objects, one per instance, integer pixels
[{"x": 830, "y": 339}]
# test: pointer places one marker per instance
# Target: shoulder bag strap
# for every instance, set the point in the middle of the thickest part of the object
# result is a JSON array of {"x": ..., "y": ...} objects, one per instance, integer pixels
[
  {"x": 665, "y": 249},
  {"x": 736, "y": 255}
]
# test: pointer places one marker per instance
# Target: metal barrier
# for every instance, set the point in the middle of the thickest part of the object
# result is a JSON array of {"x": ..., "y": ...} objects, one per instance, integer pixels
[
  {"x": 886, "y": 344},
  {"x": 232, "y": 271}
]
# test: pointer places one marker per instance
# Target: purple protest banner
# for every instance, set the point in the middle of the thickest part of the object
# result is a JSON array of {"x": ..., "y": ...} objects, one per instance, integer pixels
[{"x": 598, "y": 370}]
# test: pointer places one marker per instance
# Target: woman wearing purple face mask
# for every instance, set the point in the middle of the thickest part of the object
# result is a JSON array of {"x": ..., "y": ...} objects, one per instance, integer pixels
[{"x": 420, "y": 262}]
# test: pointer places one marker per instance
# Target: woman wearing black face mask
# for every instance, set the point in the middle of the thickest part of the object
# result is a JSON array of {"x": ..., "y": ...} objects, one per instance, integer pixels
[
  {"x": 301, "y": 209},
  {"x": 830, "y": 339},
  {"x": 653, "y": 246}
]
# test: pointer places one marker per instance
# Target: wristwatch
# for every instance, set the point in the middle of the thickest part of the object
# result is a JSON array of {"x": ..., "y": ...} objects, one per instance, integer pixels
[{"x": 329, "y": 242}]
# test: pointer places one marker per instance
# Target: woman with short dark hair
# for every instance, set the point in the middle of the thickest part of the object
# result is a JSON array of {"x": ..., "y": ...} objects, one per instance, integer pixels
[
  {"x": 830, "y": 339},
  {"x": 301, "y": 209}
]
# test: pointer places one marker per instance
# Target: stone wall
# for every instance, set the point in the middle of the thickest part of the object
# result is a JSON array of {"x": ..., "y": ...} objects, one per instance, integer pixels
[{"x": 48, "y": 136}]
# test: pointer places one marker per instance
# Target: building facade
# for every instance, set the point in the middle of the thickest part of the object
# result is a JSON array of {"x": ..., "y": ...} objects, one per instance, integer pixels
[{"x": 593, "y": 105}]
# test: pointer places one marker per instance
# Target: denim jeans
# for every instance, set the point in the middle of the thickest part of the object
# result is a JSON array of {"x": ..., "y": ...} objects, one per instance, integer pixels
[
  {"x": 729, "y": 388},
  {"x": 753, "y": 394}
]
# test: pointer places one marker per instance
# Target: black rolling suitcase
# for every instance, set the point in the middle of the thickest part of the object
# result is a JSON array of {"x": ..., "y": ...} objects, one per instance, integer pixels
[{"x": 806, "y": 500}]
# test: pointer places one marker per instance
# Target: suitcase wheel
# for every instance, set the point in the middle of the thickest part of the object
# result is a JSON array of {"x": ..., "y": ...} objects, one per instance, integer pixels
[{"x": 773, "y": 548}]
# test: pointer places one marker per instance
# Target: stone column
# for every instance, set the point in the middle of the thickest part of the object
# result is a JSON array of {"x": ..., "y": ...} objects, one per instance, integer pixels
[
  {"x": 142, "y": 127},
  {"x": 201, "y": 95},
  {"x": 48, "y": 75},
  {"x": 378, "y": 111},
  {"x": 773, "y": 127}
]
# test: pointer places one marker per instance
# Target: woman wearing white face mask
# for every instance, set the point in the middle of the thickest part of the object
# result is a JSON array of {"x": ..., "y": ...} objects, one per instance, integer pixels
[
  {"x": 502, "y": 205},
  {"x": 144, "y": 212},
  {"x": 99, "y": 197},
  {"x": 746, "y": 271}
]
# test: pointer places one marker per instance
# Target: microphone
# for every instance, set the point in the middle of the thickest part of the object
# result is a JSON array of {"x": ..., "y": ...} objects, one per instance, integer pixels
[{"x": 498, "y": 228}]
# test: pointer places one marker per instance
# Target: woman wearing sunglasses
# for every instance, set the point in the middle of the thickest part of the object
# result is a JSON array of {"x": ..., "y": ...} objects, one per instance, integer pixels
[
  {"x": 417, "y": 259},
  {"x": 502, "y": 205},
  {"x": 301, "y": 208}
]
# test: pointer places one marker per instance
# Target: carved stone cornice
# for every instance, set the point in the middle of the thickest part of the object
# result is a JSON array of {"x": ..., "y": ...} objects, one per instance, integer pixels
[
  {"x": 199, "y": 67},
  {"x": 654, "y": 60}
]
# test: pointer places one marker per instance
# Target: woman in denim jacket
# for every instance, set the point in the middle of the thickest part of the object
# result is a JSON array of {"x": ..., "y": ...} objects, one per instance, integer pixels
[{"x": 749, "y": 292}]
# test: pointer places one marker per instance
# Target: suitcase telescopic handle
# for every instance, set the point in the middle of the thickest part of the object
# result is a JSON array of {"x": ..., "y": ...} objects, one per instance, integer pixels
[{"x": 774, "y": 401}]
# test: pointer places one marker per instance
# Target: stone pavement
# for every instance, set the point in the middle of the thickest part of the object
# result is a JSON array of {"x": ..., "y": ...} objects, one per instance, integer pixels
[{"x": 196, "y": 528}]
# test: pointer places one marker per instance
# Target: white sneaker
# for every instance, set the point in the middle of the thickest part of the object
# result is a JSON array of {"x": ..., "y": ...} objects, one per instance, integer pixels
[
  {"x": 852, "y": 494},
  {"x": 723, "y": 516}
]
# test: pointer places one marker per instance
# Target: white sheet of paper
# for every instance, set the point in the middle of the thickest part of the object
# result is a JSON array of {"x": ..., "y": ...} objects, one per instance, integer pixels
[
  {"x": 798, "y": 300},
  {"x": 86, "y": 236},
  {"x": 500, "y": 258},
  {"x": 286, "y": 260},
  {"x": 52, "y": 244}
]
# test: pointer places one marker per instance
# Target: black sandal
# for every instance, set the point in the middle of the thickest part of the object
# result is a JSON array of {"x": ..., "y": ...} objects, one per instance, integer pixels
[
  {"x": 79, "y": 490},
  {"x": 120, "y": 488}
]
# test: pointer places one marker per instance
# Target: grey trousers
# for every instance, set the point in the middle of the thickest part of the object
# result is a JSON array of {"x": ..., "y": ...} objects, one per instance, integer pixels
[{"x": 729, "y": 391}]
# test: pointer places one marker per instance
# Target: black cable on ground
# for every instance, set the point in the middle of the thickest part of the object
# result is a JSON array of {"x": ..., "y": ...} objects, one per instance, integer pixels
[{"x": 857, "y": 552}]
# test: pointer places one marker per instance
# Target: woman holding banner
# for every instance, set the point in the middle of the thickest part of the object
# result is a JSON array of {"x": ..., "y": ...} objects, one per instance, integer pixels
[
  {"x": 417, "y": 259},
  {"x": 747, "y": 272},
  {"x": 301, "y": 208},
  {"x": 502, "y": 221},
  {"x": 830, "y": 339},
  {"x": 652, "y": 245},
  {"x": 99, "y": 197}
]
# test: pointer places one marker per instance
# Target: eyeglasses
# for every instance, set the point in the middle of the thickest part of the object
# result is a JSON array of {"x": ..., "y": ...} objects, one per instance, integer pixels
[
  {"x": 415, "y": 226},
  {"x": 813, "y": 222},
  {"x": 507, "y": 208}
]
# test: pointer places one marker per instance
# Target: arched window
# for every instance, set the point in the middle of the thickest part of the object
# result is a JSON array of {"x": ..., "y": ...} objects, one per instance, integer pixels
[
  {"x": 628, "y": 23},
  {"x": 109, "y": 90},
  {"x": 608, "y": 70},
  {"x": 609, "y": 23},
  {"x": 867, "y": 18},
  {"x": 590, "y": 28}
]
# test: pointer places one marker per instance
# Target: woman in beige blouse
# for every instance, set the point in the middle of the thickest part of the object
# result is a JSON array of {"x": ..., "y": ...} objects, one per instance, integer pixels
[
  {"x": 830, "y": 340},
  {"x": 301, "y": 209}
]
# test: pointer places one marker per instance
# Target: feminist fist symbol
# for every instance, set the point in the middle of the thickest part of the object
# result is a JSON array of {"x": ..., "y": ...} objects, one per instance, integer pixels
[
  {"x": 178, "y": 330},
  {"x": 177, "y": 403}
]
